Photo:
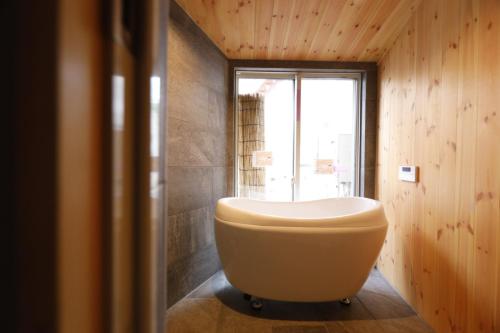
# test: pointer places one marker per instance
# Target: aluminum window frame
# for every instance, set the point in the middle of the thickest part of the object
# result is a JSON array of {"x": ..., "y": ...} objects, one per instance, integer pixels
[{"x": 297, "y": 75}]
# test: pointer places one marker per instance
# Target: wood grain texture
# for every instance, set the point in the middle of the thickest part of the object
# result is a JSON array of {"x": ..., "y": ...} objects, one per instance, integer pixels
[
  {"x": 341, "y": 30},
  {"x": 439, "y": 108}
]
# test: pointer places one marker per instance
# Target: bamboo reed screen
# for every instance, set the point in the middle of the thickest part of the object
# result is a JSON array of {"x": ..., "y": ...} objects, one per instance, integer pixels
[{"x": 250, "y": 139}]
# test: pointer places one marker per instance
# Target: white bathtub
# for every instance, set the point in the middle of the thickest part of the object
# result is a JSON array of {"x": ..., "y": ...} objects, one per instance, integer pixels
[{"x": 308, "y": 251}]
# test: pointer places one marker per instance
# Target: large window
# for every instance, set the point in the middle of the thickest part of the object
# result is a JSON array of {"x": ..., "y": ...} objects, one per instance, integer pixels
[{"x": 297, "y": 135}]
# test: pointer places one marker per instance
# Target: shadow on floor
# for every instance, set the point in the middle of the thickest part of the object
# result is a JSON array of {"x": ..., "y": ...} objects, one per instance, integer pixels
[{"x": 376, "y": 300}]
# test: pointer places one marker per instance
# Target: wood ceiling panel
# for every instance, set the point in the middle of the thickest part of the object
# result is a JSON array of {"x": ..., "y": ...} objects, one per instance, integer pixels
[
  {"x": 342, "y": 30},
  {"x": 263, "y": 20}
]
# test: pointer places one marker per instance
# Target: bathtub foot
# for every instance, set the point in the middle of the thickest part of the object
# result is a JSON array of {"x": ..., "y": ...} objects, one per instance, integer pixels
[
  {"x": 247, "y": 297},
  {"x": 345, "y": 301},
  {"x": 256, "y": 304}
]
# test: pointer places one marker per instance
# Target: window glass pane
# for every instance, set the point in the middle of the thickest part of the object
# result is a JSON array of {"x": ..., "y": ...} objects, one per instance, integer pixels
[
  {"x": 327, "y": 138},
  {"x": 265, "y": 138}
]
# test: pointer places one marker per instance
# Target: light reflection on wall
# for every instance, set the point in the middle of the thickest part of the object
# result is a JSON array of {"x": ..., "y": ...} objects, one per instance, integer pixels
[
  {"x": 118, "y": 93},
  {"x": 118, "y": 124},
  {"x": 155, "y": 96}
]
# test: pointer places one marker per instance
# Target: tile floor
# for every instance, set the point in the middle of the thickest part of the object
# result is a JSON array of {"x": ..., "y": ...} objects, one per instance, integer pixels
[{"x": 217, "y": 307}]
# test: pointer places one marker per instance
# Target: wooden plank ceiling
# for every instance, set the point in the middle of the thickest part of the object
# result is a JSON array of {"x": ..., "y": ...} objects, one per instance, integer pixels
[{"x": 340, "y": 30}]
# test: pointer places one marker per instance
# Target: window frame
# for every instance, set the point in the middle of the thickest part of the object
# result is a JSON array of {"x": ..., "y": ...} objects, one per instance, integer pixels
[{"x": 297, "y": 76}]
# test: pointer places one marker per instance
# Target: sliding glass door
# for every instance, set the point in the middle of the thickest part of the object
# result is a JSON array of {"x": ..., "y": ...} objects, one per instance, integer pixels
[
  {"x": 265, "y": 131},
  {"x": 296, "y": 135},
  {"x": 328, "y": 118}
]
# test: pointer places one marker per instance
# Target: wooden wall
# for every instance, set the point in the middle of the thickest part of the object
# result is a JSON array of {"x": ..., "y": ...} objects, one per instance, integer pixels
[{"x": 439, "y": 108}]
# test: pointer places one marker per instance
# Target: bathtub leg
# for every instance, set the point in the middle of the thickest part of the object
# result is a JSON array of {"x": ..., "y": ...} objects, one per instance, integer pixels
[
  {"x": 345, "y": 301},
  {"x": 256, "y": 303}
]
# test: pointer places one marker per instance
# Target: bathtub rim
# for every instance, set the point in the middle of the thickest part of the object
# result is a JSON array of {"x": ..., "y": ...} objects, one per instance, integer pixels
[
  {"x": 304, "y": 229},
  {"x": 373, "y": 216}
]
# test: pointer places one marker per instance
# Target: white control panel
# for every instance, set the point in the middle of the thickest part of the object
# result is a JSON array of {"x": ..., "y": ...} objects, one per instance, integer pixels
[{"x": 408, "y": 173}]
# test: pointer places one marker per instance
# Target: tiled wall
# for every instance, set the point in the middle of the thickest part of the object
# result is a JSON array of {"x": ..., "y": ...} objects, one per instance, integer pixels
[
  {"x": 199, "y": 157},
  {"x": 368, "y": 125}
]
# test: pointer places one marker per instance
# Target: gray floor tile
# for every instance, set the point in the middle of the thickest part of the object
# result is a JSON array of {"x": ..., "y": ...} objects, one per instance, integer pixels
[
  {"x": 361, "y": 326},
  {"x": 381, "y": 300},
  {"x": 300, "y": 329},
  {"x": 412, "y": 324},
  {"x": 335, "y": 327},
  {"x": 236, "y": 322},
  {"x": 211, "y": 287},
  {"x": 216, "y": 306},
  {"x": 194, "y": 316},
  {"x": 335, "y": 311}
]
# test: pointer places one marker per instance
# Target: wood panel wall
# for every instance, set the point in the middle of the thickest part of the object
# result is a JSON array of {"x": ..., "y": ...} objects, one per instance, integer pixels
[{"x": 439, "y": 109}]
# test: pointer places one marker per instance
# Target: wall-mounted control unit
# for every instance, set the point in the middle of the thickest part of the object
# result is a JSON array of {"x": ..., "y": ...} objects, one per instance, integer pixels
[{"x": 408, "y": 173}]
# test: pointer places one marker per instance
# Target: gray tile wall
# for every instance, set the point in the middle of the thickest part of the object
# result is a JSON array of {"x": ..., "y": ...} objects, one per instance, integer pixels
[
  {"x": 368, "y": 133},
  {"x": 199, "y": 157}
]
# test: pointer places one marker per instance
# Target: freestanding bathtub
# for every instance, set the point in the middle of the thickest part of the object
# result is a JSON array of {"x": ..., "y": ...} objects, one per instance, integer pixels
[{"x": 308, "y": 251}]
